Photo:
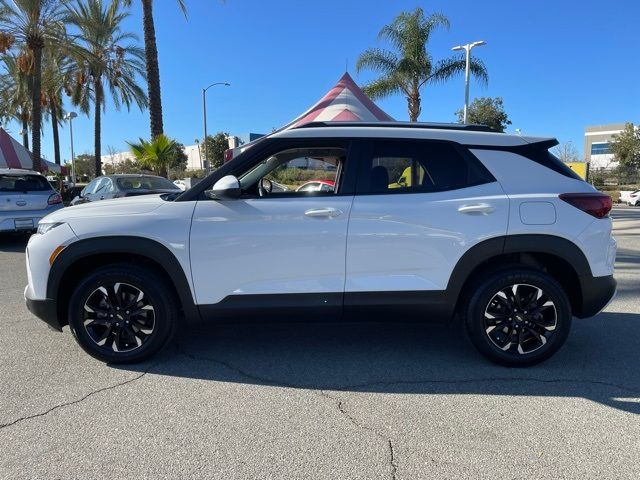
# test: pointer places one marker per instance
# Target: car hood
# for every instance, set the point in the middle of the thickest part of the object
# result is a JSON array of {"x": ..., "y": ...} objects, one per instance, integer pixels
[{"x": 119, "y": 206}]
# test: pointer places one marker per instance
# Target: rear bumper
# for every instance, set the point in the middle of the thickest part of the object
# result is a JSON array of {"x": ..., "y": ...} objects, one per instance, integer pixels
[
  {"x": 8, "y": 218},
  {"x": 46, "y": 310},
  {"x": 597, "y": 292}
]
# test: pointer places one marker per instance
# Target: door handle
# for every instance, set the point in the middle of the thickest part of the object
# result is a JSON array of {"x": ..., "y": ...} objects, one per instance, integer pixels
[
  {"x": 323, "y": 212},
  {"x": 101, "y": 197},
  {"x": 477, "y": 209}
]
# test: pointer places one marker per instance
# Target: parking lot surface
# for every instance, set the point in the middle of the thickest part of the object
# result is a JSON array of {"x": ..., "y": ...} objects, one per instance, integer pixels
[{"x": 323, "y": 401}]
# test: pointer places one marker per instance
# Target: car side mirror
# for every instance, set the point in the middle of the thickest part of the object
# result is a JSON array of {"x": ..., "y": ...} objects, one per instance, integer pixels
[
  {"x": 227, "y": 187},
  {"x": 82, "y": 193}
]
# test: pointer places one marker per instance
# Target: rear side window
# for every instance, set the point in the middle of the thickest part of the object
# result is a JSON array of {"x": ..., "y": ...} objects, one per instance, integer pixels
[
  {"x": 24, "y": 183},
  {"x": 545, "y": 158},
  {"x": 418, "y": 166}
]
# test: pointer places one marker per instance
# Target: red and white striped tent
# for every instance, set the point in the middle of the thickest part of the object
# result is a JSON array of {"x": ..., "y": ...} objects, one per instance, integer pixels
[
  {"x": 345, "y": 102},
  {"x": 14, "y": 155}
]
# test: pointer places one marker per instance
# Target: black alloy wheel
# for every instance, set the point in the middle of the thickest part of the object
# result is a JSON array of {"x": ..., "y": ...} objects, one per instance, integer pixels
[
  {"x": 123, "y": 313},
  {"x": 517, "y": 316}
]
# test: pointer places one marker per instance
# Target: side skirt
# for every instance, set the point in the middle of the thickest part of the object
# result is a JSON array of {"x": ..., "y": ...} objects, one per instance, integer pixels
[{"x": 421, "y": 306}]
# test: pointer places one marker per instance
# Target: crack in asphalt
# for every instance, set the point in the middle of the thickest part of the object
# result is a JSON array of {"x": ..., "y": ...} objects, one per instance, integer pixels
[
  {"x": 76, "y": 401},
  {"x": 341, "y": 406},
  {"x": 317, "y": 391},
  {"x": 421, "y": 381}
]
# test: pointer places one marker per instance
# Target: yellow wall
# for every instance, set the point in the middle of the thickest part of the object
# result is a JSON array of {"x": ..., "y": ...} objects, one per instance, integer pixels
[{"x": 580, "y": 168}]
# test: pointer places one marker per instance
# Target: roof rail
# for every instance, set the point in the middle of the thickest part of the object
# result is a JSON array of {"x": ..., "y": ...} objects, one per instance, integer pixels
[{"x": 432, "y": 126}]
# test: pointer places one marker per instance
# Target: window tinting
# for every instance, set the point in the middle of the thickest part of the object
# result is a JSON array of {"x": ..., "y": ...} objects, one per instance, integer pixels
[
  {"x": 600, "y": 148},
  {"x": 419, "y": 167},
  {"x": 145, "y": 183},
  {"x": 23, "y": 183}
]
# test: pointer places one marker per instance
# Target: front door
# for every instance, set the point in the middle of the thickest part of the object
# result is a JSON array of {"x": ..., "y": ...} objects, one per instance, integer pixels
[
  {"x": 275, "y": 250},
  {"x": 419, "y": 206}
]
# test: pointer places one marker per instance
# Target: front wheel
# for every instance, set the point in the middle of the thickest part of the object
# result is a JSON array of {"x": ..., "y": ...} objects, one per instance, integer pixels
[
  {"x": 517, "y": 317},
  {"x": 122, "y": 313}
]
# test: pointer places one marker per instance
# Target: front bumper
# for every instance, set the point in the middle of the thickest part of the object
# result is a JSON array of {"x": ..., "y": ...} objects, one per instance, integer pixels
[
  {"x": 597, "y": 292},
  {"x": 46, "y": 310}
]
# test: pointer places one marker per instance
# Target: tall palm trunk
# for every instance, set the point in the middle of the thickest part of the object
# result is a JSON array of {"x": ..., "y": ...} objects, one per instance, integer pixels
[
  {"x": 414, "y": 102},
  {"x": 153, "y": 69},
  {"x": 25, "y": 130},
  {"x": 54, "y": 127},
  {"x": 36, "y": 107},
  {"x": 98, "y": 125}
]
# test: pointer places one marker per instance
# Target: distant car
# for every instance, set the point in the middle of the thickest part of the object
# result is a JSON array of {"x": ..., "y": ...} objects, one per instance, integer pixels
[
  {"x": 130, "y": 185},
  {"x": 25, "y": 198},
  {"x": 631, "y": 198},
  {"x": 317, "y": 186}
]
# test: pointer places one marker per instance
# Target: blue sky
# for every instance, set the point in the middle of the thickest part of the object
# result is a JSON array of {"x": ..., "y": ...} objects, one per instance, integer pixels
[{"x": 558, "y": 65}]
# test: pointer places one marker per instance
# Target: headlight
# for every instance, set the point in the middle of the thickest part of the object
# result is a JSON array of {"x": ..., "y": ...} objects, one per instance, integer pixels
[{"x": 45, "y": 227}]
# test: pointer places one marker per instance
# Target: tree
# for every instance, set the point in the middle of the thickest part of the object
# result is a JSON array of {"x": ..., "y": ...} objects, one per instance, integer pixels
[
  {"x": 124, "y": 166},
  {"x": 85, "y": 165},
  {"x": 112, "y": 65},
  {"x": 626, "y": 149},
  {"x": 15, "y": 96},
  {"x": 56, "y": 72},
  {"x": 159, "y": 154},
  {"x": 487, "y": 111},
  {"x": 32, "y": 25},
  {"x": 216, "y": 146},
  {"x": 410, "y": 67},
  {"x": 566, "y": 152}
]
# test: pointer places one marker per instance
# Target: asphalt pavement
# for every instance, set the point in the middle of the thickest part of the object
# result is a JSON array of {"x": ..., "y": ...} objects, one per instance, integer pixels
[{"x": 323, "y": 401}]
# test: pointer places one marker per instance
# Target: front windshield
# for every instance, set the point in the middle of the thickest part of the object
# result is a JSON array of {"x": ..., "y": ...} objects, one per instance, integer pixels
[{"x": 145, "y": 183}]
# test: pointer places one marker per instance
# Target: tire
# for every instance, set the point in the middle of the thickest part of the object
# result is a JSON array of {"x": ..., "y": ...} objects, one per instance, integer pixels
[
  {"x": 122, "y": 313},
  {"x": 536, "y": 316}
]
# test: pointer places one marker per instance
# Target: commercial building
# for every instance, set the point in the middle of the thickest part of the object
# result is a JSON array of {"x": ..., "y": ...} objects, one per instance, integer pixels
[{"x": 597, "y": 148}]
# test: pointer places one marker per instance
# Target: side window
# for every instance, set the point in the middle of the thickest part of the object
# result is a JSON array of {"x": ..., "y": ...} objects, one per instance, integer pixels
[
  {"x": 295, "y": 172},
  {"x": 419, "y": 166}
]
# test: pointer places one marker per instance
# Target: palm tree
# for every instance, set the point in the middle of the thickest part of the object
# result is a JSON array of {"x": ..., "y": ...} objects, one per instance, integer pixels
[
  {"x": 157, "y": 155},
  {"x": 56, "y": 77},
  {"x": 15, "y": 95},
  {"x": 112, "y": 65},
  {"x": 152, "y": 64},
  {"x": 32, "y": 25},
  {"x": 410, "y": 67},
  {"x": 153, "y": 67}
]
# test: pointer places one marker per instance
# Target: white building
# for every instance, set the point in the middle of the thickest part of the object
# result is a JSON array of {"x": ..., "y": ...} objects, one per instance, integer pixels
[{"x": 597, "y": 149}]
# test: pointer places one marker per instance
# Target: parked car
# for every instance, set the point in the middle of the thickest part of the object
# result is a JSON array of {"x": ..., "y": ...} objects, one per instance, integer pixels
[
  {"x": 317, "y": 186},
  {"x": 630, "y": 197},
  {"x": 125, "y": 185},
  {"x": 496, "y": 229},
  {"x": 25, "y": 198}
]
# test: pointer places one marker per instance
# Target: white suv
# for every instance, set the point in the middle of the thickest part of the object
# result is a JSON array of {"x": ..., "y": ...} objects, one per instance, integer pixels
[{"x": 425, "y": 221}]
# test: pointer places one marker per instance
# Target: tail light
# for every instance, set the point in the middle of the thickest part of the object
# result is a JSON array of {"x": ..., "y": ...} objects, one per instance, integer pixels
[
  {"x": 228, "y": 155},
  {"x": 595, "y": 204},
  {"x": 54, "y": 199}
]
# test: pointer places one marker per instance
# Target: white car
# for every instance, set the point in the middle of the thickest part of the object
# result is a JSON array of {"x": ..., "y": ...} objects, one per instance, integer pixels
[
  {"x": 630, "y": 197},
  {"x": 25, "y": 198},
  {"x": 487, "y": 225}
]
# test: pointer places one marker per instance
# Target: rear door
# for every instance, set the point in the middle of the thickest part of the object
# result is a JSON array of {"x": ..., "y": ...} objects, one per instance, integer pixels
[{"x": 419, "y": 206}]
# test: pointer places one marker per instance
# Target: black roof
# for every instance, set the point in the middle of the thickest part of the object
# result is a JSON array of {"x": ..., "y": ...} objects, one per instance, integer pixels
[{"x": 432, "y": 126}]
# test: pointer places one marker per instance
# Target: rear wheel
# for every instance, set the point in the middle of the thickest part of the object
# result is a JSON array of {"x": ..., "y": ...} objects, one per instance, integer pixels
[
  {"x": 517, "y": 317},
  {"x": 122, "y": 313}
]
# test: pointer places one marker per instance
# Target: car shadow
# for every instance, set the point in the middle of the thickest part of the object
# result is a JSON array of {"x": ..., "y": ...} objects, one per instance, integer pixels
[
  {"x": 598, "y": 363},
  {"x": 13, "y": 242}
]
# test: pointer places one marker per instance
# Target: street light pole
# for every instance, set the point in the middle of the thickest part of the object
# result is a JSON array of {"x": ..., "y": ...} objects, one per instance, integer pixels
[
  {"x": 467, "y": 74},
  {"x": 70, "y": 116},
  {"x": 204, "y": 116}
]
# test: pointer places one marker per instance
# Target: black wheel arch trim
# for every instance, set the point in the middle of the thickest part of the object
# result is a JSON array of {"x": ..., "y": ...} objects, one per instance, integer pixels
[
  {"x": 140, "y": 246},
  {"x": 522, "y": 243}
]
